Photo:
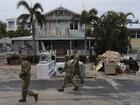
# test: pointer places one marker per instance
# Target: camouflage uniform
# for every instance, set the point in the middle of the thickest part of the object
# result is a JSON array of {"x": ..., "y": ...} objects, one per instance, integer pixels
[
  {"x": 76, "y": 68},
  {"x": 68, "y": 78},
  {"x": 26, "y": 76}
]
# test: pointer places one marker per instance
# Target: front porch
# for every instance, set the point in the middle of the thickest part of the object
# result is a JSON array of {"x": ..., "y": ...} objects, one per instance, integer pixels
[
  {"x": 56, "y": 46},
  {"x": 64, "y": 47}
]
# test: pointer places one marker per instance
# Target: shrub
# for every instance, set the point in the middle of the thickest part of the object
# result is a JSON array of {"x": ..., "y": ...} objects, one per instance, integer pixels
[
  {"x": 92, "y": 58},
  {"x": 13, "y": 59},
  {"x": 30, "y": 59},
  {"x": 72, "y": 57},
  {"x": 83, "y": 58},
  {"x": 53, "y": 57},
  {"x": 133, "y": 51}
]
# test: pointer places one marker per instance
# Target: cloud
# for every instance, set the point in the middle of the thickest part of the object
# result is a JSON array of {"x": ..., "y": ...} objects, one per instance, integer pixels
[{"x": 8, "y": 7}]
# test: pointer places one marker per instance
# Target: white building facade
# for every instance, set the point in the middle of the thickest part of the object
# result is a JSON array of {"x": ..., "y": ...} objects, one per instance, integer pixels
[{"x": 59, "y": 34}]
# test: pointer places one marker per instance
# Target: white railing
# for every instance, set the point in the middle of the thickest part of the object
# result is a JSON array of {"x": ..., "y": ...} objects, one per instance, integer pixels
[
  {"x": 79, "y": 52},
  {"x": 52, "y": 52}
]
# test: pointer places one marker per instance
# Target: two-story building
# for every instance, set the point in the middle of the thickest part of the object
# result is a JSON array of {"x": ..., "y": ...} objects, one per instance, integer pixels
[{"x": 59, "y": 34}]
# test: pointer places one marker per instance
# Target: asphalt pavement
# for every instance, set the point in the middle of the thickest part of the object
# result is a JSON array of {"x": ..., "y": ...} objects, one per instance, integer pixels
[{"x": 92, "y": 92}]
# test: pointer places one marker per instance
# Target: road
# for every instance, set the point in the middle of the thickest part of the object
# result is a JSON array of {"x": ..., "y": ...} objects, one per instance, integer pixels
[{"x": 92, "y": 92}]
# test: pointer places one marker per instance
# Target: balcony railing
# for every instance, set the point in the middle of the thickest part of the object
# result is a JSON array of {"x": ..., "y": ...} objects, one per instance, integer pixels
[{"x": 58, "y": 32}]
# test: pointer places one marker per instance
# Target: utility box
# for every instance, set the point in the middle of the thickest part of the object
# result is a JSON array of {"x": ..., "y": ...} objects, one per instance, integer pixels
[
  {"x": 45, "y": 71},
  {"x": 110, "y": 68},
  {"x": 46, "y": 66}
]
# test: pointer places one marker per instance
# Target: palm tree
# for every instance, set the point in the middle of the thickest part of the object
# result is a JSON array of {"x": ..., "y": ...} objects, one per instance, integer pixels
[
  {"x": 87, "y": 18},
  {"x": 34, "y": 14}
]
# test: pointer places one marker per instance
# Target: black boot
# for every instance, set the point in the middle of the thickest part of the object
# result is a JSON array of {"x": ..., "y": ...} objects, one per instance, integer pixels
[
  {"x": 61, "y": 90},
  {"x": 75, "y": 88},
  {"x": 82, "y": 81},
  {"x": 36, "y": 97},
  {"x": 22, "y": 100}
]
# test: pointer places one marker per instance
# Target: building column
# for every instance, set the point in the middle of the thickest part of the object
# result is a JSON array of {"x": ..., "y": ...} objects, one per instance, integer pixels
[
  {"x": 89, "y": 44},
  {"x": 37, "y": 47},
  {"x": 51, "y": 46},
  {"x": 136, "y": 34},
  {"x": 70, "y": 44},
  {"x": 70, "y": 47}
]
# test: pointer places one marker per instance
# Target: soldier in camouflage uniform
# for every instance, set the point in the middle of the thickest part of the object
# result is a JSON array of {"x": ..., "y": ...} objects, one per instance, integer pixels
[
  {"x": 76, "y": 67},
  {"x": 26, "y": 76},
  {"x": 68, "y": 78}
]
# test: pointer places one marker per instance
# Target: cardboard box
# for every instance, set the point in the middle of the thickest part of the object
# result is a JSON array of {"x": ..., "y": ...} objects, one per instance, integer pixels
[{"x": 110, "y": 68}]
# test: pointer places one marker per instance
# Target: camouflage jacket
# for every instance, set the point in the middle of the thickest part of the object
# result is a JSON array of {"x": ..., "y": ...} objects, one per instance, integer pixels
[
  {"x": 25, "y": 67},
  {"x": 68, "y": 68}
]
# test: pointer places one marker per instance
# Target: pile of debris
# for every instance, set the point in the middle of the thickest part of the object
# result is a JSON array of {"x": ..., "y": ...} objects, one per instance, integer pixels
[
  {"x": 110, "y": 56},
  {"x": 108, "y": 61},
  {"x": 112, "y": 62}
]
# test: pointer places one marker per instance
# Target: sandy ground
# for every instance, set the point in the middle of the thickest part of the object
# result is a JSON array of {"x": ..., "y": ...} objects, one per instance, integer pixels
[{"x": 11, "y": 72}]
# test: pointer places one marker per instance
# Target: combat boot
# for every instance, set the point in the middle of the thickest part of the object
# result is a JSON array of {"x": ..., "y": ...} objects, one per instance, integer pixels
[
  {"x": 36, "y": 97},
  {"x": 61, "y": 90},
  {"x": 22, "y": 100},
  {"x": 75, "y": 88},
  {"x": 82, "y": 81}
]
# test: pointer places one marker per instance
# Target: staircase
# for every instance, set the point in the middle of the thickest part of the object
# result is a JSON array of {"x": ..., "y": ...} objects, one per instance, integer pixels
[{"x": 60, "y": 58}]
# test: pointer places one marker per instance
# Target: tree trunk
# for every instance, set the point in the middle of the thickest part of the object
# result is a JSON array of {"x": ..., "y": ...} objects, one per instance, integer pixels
[
  {"x": 85, "y": 45},
  {"x": 85, "y": 41},
  {"x": 33, "y": 35}
]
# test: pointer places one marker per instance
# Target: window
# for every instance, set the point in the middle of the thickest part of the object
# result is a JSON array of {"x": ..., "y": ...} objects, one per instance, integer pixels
[
  {"x": 73, "y": 26},
  {"x": 132, "y": 35},
  {"x": 138, "y": 35},
  {"x": 11, "y": 25},
  {"x": 135, "y": 34}
]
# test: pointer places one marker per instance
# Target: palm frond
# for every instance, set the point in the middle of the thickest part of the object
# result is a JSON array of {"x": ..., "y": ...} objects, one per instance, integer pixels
[
  {"x": 75, "y": 18},
  {"x": 83, "y": 17},
  {"x": 93, "y": 11},
  {"x": 23, "y": 18},
  {"x": 24, "y": 4},
  {"x": 40, "y": 18},
  {"x": 37, "y": 6},
  {"x": 130, "y": 14}
]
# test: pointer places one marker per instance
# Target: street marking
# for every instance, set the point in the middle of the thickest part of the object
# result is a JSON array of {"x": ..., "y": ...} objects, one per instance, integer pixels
[
  {"x": 113, "y": 83},
  {"x": 88, "y": 87},
  {"x": 7, "y": 88}
]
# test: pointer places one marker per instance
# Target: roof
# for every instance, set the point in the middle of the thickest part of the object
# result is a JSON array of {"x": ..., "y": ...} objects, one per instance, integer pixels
[
  {"x": 63, "y": 8},
  {"x": 133, "y": 26},
  {"x": 22, "y": 38},
  {"x": 11, "y": 19},
  {"x": 50, "y": 38},
  {"x": 5, "y": 40}
]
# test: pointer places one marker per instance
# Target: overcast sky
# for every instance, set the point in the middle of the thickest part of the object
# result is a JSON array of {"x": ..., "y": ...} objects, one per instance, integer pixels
[{"x": 8, "y": 7}]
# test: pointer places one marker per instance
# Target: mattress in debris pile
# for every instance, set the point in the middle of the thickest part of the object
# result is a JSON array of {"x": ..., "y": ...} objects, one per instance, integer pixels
[{"x": 110, "y": 56}]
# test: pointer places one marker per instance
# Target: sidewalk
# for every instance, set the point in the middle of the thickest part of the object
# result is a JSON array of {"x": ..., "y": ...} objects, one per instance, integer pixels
[{"x": 11, "y": 72}]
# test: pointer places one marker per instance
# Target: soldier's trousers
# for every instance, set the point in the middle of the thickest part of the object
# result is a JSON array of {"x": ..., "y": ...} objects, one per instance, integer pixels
[
  {"x": 25, "y": 85},
  {"x": 68, "y": 80},
  {"x": 77, "y": 72}
]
